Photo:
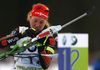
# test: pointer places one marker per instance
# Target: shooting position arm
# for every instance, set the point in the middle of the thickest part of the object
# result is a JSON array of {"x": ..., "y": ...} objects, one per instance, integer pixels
[
  {"x": 9, "y": 40},
  {"x": 46, "y": 46}
]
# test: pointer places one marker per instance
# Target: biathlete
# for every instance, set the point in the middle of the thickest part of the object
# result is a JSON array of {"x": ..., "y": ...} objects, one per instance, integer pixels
[{"x": 38, "y": 18}]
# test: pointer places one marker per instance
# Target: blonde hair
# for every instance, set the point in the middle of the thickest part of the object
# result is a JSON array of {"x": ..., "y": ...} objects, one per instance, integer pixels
[{"x": 28, "y": 15}]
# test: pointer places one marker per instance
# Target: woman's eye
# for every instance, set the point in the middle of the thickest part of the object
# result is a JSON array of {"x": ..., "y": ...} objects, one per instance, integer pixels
[
  {"x": 41, "y": 22},
  {"x": 35, "y": 20}
]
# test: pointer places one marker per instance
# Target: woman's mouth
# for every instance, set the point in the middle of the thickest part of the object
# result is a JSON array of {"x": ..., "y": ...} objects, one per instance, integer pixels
[{"x": 37, "y": 29}]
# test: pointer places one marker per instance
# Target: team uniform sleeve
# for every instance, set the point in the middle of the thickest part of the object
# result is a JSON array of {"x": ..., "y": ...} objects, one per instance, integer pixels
[
  {"x": 15, "y": 36},
  {"x": 48, "y": 48}
]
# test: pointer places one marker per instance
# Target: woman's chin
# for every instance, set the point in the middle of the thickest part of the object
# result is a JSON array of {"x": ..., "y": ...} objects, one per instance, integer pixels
[{"x": 37, "y": 30}]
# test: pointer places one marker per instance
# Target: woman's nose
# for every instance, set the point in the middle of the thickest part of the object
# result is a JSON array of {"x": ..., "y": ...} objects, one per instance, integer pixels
[{"x": 37, "y": 25}]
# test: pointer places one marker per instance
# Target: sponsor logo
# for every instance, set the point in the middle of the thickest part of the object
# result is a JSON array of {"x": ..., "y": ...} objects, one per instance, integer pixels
[
  {"x": 4, "y": 42},
  {"x": 13, "y": 40},
  {"x": 74, "y": 40},
  {"x": 64, "y": 40},
  {"x": 32, "y": 48},
  {"x": 40, "y": 13},
  {"x": 28, "y": 68}
]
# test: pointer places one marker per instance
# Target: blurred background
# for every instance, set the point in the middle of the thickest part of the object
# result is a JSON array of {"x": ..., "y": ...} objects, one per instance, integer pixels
[{"x": 13, "y": 13}]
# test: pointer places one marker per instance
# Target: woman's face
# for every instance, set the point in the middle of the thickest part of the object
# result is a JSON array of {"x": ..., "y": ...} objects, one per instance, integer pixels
[{"x": 37, "y": 23}]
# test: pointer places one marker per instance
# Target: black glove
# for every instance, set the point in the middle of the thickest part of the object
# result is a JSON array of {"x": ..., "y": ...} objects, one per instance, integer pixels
[
  {"x": 15, "y": 31},
  {"x": 29, "y": 32}
]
